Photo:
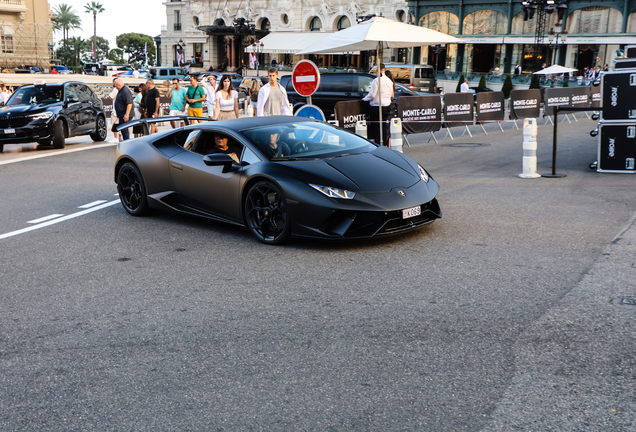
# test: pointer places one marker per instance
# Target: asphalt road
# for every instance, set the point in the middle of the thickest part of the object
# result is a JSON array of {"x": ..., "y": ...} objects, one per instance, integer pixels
[{"x": 109, "y": 322}]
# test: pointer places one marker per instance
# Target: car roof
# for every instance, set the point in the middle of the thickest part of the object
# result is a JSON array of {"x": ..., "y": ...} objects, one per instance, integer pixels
[{"x": 244, "y": 123}]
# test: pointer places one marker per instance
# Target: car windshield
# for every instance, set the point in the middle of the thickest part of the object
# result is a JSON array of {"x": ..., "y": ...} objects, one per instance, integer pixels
[
  {"x": 36, "y": 95},
  {"x": 306, "y": 140}
]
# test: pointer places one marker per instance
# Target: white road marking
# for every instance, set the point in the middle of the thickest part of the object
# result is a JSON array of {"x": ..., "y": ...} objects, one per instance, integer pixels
[
  {"x": 61, "y": 219},
  {"x": 45, "y": 218},
  {"x": 59, "y": 152},
  {"x": 307, "y": 78},
  {"x": 93, "y": 204}
]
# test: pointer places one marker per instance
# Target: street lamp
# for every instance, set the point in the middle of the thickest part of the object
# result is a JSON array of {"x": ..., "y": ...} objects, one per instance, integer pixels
[
  {"x": 257, "y": 48},
  {"x": 554, "y": 35}
]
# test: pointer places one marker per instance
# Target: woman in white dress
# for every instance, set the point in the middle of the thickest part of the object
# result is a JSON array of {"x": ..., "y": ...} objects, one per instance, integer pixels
[{"x": 226, "y": 100}]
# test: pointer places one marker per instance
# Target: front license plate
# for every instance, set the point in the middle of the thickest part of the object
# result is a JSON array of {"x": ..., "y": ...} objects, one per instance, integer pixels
[
  {"x": 9, "y": 131},
  {"x": 410, "y": 212}
]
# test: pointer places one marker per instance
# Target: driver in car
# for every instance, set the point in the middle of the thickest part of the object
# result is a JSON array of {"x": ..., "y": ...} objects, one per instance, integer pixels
[
  {"x": 220, "y": 146},
  {"x": 278, "y": 148}
]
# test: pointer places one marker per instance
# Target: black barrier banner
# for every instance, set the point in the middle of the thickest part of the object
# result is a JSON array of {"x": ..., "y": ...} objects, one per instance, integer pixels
[
  {"x": 458, "y": 109},
  {"x": 490, "y": 106},
  {"x": 108, "y": 106},
  {"x": 164, "y": 106},
  {"x": 420, "y": 114},
  {"x": 595, "y": 96},
  {"x": 580, "y": 97},
  {"x": 525, "y": 104},
  {"x": 348, "y": 113},
  {"x": 557, "y": 97}
]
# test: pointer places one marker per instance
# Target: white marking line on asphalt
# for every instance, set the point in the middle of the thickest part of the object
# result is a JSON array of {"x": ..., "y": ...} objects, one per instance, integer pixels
[
  {"x": 93, "y": 147},
  {"x": 61, "y": 219},
  {"x": 45, "y": 218},
  {"x": 93, "y": 204}
]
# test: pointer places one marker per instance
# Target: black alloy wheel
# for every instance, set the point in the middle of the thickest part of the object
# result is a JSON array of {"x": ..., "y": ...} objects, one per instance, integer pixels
[
  {"x": 100, "y": 132},
  {"x": 58, "y": 135},
  {"x": 266, "y": 213},
  {"x": 132, "y": 192}
]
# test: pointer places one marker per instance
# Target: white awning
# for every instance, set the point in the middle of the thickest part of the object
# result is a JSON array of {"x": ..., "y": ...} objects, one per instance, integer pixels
[{"x": 288, "y": 42}]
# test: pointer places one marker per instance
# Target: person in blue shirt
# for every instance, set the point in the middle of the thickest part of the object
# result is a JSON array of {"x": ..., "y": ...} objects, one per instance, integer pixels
[{"x": 177, "y": 101}]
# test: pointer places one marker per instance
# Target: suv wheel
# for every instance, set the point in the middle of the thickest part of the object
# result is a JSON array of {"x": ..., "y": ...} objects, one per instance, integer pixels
[
  {"x": 58, "y": 135},
  {"x": 101, "y": 132}
]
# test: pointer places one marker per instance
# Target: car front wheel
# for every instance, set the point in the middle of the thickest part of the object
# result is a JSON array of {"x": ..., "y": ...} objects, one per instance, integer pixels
[
  {"x": 100, "y": 132},
  {"x": 266, "y": 213},
  {"x": 58, "y": 135},
  {"x": 132, "y": 191}
]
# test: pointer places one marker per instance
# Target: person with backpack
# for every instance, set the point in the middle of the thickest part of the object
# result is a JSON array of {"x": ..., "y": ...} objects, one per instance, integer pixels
[{"x": 256, "y": 87}]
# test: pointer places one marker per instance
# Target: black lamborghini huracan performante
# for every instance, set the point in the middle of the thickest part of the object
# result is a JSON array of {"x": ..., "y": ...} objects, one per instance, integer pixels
[{"x": 279, "y": 176}]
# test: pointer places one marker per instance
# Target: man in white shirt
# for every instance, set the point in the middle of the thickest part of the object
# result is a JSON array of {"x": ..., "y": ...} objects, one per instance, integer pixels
[
  {"x": 380, "y": 94},
  {"x": 464, "y": 87},
  {"x": 209, "y": 84},
  {"x": 272, "y": 97},
  {"x": 135, "y": 74}
]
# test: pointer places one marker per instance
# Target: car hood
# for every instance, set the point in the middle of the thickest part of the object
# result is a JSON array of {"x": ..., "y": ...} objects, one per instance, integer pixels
[
  {"x": 378, "y": 171},
  {"x": 24, "y": 109}
]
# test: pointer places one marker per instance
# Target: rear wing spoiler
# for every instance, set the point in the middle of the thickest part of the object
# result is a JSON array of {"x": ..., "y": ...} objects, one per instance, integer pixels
[{"x": 145, "y": 122}]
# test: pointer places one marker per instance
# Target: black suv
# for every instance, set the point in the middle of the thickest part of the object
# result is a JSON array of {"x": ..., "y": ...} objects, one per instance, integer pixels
[
  {"x": 336, "y": 87},
  {"x": 51, "y": 113}
]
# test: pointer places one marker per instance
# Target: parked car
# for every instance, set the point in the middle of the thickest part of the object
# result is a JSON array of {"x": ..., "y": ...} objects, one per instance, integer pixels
[
  {"x": 417, "y": 77},
  {"x": 318, "y": 181},
  {"x": 168, "y": 73},
  {"x": 336, "y": 87},
  {"x": 51, "y": 113},
  {"x": 143, "y": 74},
  {"x": 62, "y": 70},
  {"x": 27, "y": 69},
  {"x": 112, "y": 69},
  {"x": 476, "y": 90},
  {"x": 246, "y": 82},
  {"x": 91, "y": 68}
]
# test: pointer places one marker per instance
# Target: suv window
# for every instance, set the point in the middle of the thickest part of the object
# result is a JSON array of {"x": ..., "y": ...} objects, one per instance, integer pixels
[
  {"x": 424, "y": 73},
  {"x": 71, "y": 91},
  {"x": 34, "y": 95},
  {"x": 401, "y": 74},
  {"x": 84, "y": 93},
  {"x": 163, "y": 72},
  {"x": 336, "y": 83},
  {"x": 364, "y": 84}
]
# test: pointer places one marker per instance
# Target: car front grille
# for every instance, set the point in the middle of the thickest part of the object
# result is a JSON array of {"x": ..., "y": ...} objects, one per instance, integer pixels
[{"x": 14, "y": 122}]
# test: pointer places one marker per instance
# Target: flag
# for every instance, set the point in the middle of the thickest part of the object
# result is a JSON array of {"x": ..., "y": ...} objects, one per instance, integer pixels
[{"x": 146, "y": 52}]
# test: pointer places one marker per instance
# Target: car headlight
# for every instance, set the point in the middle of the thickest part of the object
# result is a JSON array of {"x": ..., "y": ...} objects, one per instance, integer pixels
[
  {"x": 333, "y": 192},
  {"x": 423, "y": 173},
  {"x": 42, "y": 116}
]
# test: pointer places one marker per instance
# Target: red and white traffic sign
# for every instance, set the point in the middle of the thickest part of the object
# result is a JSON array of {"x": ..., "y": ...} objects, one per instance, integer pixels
[{"x": 306, "y": 78}]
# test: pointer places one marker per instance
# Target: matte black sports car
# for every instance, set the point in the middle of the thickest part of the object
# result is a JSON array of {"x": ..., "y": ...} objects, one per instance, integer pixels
[{"x": 279, "y": 176}]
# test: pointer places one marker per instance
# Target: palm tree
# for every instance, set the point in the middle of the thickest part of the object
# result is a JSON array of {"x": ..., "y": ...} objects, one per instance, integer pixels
[
  {"x": 94, "y": 8},
  {"x": 66, "y": 19}
]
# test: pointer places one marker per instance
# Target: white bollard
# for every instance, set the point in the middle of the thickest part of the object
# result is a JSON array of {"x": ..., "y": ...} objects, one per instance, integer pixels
[
  {"x": 396, "y": 134},
  {"x": 361, "y": 128},
  {"x": 249, "y": 110},
  {"x": 529, "y": 160}
]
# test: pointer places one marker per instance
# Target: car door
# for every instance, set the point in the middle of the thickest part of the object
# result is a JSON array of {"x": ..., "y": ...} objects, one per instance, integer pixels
[
  {"x": 89, "y": 107},
  {"x": 207, "y": 187},
  {"x": 334, "y": 88},
  {"x": 73, "y": 110}
]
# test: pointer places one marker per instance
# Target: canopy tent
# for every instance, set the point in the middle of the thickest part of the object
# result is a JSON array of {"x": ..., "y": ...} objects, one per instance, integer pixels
[
  {"x": 376, "y": 34},
  {"x": 555, "y": 69},
  {"x": 289, "y": 42}
]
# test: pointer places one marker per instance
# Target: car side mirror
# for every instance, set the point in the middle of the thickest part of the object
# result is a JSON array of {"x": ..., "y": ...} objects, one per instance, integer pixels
[{"x": 219, "y": 159}]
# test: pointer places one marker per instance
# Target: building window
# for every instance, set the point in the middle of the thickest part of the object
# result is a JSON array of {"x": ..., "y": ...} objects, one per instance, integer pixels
[
  {"x": 6, "y": 42},
  {"x": 177, "y": 20},
  {"x": 485, "y": 22},
  {"x": 344, "y": 23},
  {"x": 195, "y": 21},
  {"x": 631, "y": 23},
  {"x": 265, "y": 24},
  {"x": 315, "y": 24},
  {"x": 521, "y": 27},
  {"x": 284, "y": 19},
  {"x": 595, "y": 20},
  {"x": 443, "y": 22}
]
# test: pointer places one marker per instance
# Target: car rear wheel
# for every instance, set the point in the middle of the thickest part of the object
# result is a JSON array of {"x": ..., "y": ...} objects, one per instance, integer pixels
[
  {"x": 132, "y": 191},
  {"x": 101, "y": 132},
  {"x": 266, "y": 213},
  {"x": 58, "y": 135}
]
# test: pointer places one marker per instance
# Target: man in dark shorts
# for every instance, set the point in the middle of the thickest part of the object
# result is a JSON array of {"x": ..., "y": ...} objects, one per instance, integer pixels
[
  {"x": 152, "y": 103},
  {"x": 123, "y": 105}
]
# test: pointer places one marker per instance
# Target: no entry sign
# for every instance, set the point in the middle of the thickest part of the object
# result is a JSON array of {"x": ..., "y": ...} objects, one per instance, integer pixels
[{"x": 305, "y": 78}]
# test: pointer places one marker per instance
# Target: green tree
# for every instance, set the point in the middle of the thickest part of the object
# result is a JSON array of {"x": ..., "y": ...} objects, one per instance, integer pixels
[
  {"x": 133, "y": 44},
  {"x": 116, "y": 55},
  {"x": 535, "y": 83},
  {"x": 71, "y": 50},
  {"x": 94, "y": 8},
  {"x": 103, "y": 48},
  {"x": 507, "y": 86},
  {"x": 65, "y": 19},
  {"x": 565, "y": 82},
  {"x": 482, "y": 81},
  {"x": 459, "y": 84}
]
